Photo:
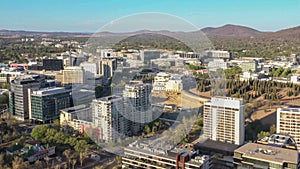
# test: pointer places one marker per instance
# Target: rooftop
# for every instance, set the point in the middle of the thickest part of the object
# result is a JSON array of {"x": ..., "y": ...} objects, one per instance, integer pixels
[
  {"x": 74, "y": 68},
  {"x": 279, "y": 140},
  {"x": 225, "y": 101},
  {"x": 268, "y": 153},
  {"x": 26, "y": 79},
  {"x": 75, "y": 108},
  {"x": 162, "y": 74},
  {"x": 166, "y": 151},
  {"x": 296, "y": 110},
  {"x": 109, "y": 98},
  {"x": 217, "y": 145},
  {"x": 50, "y": 91}
]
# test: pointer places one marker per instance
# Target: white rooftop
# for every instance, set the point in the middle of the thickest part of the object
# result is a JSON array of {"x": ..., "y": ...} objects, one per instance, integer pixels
[{"x": 50, "y": 91}]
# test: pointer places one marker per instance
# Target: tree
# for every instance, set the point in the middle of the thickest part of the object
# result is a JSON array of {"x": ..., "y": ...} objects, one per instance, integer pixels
[
  {"x": 262, "y": 134},
  {"x": 49, "y": 136},
  {"x": 74, "y": 161},
  {"x": 147, "y": 129},
  {"x": 47, "y": 159},
  {"x": 65, "y": 166},
  {"x": 118, "y": 160},
  {"x": 71, "y": 141},
  {"x": 67, "y": 154},
  {"x": 56, "y": 124},
  {"x": 57, "y": 166},
  {"x": 39, "y": 132},
  {"x": 38, "y": 164},
  {"x": 1, "y": 160},
  {"x": 81, "y": 147},
  {"x": 18, "y": 163},
  {"x": 82, "y": 156},
  {"x": 60, "y": 138},
  {"x": 273, "y": 129}
]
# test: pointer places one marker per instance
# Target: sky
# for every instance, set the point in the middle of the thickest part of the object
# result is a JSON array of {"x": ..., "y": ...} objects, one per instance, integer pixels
[{"x": 91, "y": 15}]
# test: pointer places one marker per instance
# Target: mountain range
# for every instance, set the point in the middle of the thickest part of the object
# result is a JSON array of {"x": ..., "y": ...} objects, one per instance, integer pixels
[{"x": 228, "y": 30}]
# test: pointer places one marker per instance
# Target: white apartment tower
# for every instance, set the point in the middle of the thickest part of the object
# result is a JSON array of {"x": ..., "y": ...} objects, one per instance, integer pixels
[
  {"x": 137, "y": 99},
  {"x": 108, "y": 116},
  {"x": 223, "y": 120},
  {"x": 288, "y": 122}
]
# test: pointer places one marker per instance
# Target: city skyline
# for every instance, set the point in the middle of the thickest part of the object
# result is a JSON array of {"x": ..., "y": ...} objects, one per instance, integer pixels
[{"x": 90, "y": 16}]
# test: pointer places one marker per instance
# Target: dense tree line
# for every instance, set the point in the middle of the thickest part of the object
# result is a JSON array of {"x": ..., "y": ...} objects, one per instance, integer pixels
[
  {"x": 232, "y": 72},
  {"x": 55, "y": 135},
  {"x": 253, "y": 88},
  {"x": 280, "y": 72},
  {"x": 150, "y": 40},
  {"x": 14, "y": 49},
  {"x": 270, "y": 47},
  {"x": 62, "y": 137}
]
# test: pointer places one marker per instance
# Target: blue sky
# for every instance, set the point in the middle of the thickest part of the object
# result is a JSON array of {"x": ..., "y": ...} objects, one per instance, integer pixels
[{"x": 90, "y": 15}]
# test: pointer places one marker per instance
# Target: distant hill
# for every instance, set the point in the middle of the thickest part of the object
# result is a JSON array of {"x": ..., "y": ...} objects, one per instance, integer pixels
[
  {"x": 291, "y": 33},
  {"x": 226, "y": 31},
  {"x": 231, "y": 31},
  {"x": 20, "y": 33}
]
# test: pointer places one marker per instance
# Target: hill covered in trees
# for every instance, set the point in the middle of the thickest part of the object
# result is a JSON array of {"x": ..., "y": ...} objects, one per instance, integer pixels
[
  {"x": 151, "y": 40},
  {"x": 247, "y": 42}
]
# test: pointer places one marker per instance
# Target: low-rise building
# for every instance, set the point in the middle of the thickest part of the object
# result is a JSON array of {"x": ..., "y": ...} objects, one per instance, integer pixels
[
  {"x": 31, "y": 151},
  {"x": 167, "y": 82},
  {"x": 270, "y": 152},
  {"x": 76, "y": 117},
  {"x": 217, "y": 64},
  {"x": 174, "y": 84},
  {"x": 141, "y": 154},
  {"x": 160, "y": 81},
  {"x": 249, "y": 66}
]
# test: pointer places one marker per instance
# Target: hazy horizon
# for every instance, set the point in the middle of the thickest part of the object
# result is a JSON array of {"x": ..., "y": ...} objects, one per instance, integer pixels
[{"x": 87, "y": 32}]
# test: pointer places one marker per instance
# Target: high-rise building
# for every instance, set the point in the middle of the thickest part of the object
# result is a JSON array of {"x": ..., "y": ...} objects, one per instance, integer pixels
[
  {"x": 288, "y": 121},
  {"x": 46, "y": 103},
  {"x": 107, "y": 67},
  {"x": 90, "y": 72},
  {"x": 107, "y": 113},
  {"x": 147, "y": 55},
  {"x": 53, "y": 64},
  {"x": 18, "y": 95},
  {"x": 137, "y": 99},
  {"x": 73, "y": 75},
  {"x": 223, "y": 120}
]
